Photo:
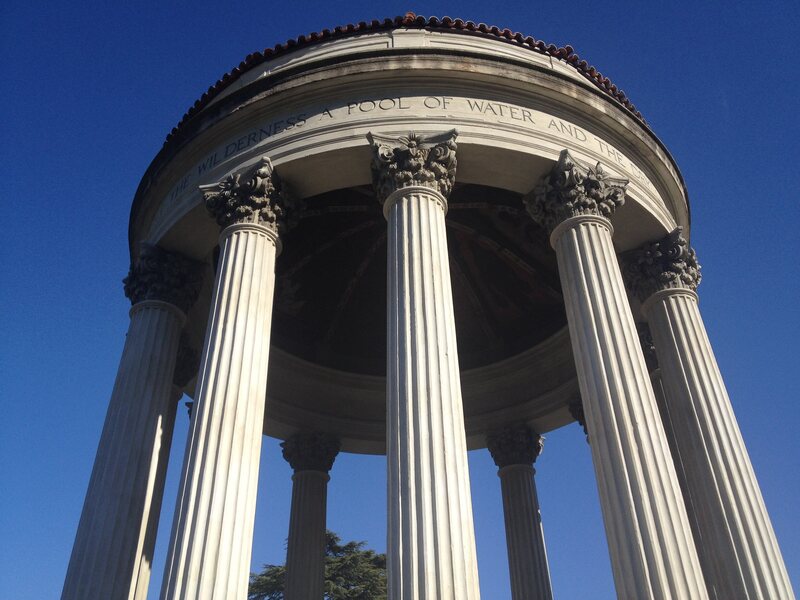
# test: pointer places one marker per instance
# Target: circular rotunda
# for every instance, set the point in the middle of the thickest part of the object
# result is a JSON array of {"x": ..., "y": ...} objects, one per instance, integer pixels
[{"x": 415, "y": 237}]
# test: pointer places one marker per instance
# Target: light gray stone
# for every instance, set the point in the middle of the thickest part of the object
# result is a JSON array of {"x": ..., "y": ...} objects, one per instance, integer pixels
[
  {"x": 212, "y": 530},
  {"x": 736, "y": 542},
  {"x": 305, "y": 548},
  {"x": 311, "y": 456},
  {"x": 650, "y": 540},
  {"x": 514, "y": 450},
  {"x": 113, "y": 549},
  {"x": 431, "y": 540}
]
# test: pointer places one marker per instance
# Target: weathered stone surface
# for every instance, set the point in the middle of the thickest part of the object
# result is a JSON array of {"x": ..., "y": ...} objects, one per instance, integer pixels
[
  {"x": 527, "y": 558},
  {"x": 311, "y": 451},
  {"x": 635, "y": 476},
  {"x": 514, "y": 445},
  {"x": 161, "y": 275},
  {"x": 211, "y": 544},
  {"x": 255, "y": 196},
  {"x": 739, "y": 552},
  {"x": 668, "y": 263},
  {"x": 430, "y": 506},
  {"x": 513, "y": 107},
  {"x": 571, "y": 190},
  {"x": 113, "y": 549},
  {"x": 311, "y": 455},
  {"x": 413, "y": 160}
]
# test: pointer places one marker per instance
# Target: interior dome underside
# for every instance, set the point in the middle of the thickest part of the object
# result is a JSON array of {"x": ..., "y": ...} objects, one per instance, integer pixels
[{"x": 330, "y": 298}]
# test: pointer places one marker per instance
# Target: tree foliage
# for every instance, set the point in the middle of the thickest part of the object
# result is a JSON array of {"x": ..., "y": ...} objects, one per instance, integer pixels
[{"x": 351, "y": 573}]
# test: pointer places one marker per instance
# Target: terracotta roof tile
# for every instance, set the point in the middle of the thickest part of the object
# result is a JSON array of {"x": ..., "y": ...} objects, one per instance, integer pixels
[{"x": 410, "y": 20}]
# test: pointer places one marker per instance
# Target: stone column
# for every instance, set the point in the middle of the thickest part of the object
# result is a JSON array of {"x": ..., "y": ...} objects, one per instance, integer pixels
[
  {"x": 212, "y": 530},
  {"x": 514, "y": 451},
  {"x": 185, "y": 369},
  {"x": 116, "y": 533},
  {"x": 649, "y": 538},
  {"x": 736, "y": 543},
  {"x": 669, "y": 429},
  {"x": 153, "y": 500},
  {"x": 311, "y": 456},
  {"x": 431, "y": 541},
  {"x": 650, "y": 359}
]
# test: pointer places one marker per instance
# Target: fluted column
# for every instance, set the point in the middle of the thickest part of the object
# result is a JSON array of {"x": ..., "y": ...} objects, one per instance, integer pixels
[
  {"x": 514, "y": 451},
  {"x": 185, "y": 369},
  {"x": 431, "y": 541},
  {"x": 212, "y": 530},
  {"x": 311, "y": 456},
  {"x": 114, "y": 544},
  {"x": 650, "y": 359},
  {"x": 736, "y": 542},
  {"x": 649, "y": 537}
]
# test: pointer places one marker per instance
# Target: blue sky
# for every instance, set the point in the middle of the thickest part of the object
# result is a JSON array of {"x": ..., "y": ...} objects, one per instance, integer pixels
[{"x": 88, "y": 92}]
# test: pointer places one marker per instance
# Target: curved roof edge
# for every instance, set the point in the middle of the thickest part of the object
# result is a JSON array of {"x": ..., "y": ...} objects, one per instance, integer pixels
[{"x": 412, "y": 21}]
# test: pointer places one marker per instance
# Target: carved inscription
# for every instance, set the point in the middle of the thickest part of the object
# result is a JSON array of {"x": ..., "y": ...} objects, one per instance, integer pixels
[{"x": 464, "y": 109}]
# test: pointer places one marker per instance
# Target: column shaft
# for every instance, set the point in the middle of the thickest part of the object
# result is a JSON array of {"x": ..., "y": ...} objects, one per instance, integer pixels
[
  {"x": 431, "y": 545},
  {"x": 114, "y": 544},
  {"x": 669, "y": 430},
  {"x": 736, "y": 542},
  {"x": 210, "y": 547},
  {"x": 527, "y": 557},
  {"x": 650, "y": 541},
  {"x": 305, "y": 550},
  {"x": 154, "y": 498}
]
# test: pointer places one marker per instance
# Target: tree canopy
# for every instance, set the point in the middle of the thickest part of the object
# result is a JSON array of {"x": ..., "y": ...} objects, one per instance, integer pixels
[{"x": 351, "y": 573}]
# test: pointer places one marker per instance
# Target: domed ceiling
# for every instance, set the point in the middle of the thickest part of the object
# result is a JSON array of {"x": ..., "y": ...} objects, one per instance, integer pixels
[{"x": 330, "y": 298}]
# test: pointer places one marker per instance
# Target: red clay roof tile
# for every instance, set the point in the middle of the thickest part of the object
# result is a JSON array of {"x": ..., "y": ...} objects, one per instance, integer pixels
[{"x": 410, "y": 20}]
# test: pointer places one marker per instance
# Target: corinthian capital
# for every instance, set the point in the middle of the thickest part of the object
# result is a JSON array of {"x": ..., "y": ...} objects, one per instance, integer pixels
[
  {"x": 254, "y": 196},
  {"x": 571, "y": 189},
  {"x": 311, "y": 451},
  {"x": 667, "y": 263},
  {"x": 516, "y": 445},
  {"x": 413, "y": 160},
  {"x": 161, "y": 275}
]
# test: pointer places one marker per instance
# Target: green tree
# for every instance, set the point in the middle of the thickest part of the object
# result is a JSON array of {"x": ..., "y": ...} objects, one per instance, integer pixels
[{"x": 351, "y": 573}]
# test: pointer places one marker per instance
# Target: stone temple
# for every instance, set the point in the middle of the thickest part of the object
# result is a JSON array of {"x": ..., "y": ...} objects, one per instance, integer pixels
[{"x": 412, "y": 237}]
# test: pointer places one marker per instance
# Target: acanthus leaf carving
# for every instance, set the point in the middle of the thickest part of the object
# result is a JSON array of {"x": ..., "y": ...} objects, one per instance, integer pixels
[
  {"x": 413, "y": 160},
  {"x": 254, "y": 197},
  {"x": 158, "y": 274},
  {"x": 668, "y": 263},
  {"x": 311, "y": 451},
  {"x": 571, "y": 189},
  {"x": 514, "y": 445}
]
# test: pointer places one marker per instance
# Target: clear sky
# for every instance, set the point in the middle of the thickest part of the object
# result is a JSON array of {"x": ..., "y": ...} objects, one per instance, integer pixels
[{"x": 90, "y": 89}]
